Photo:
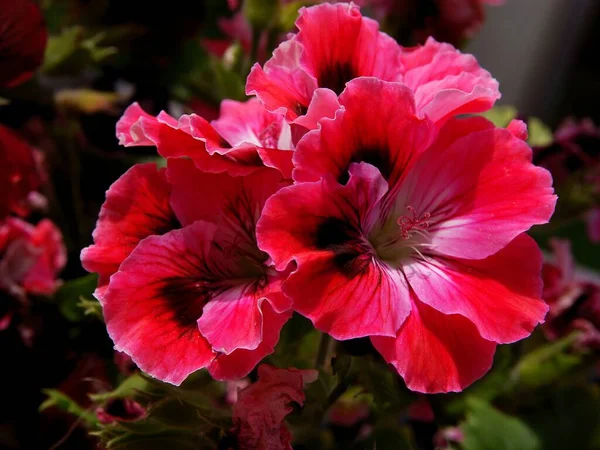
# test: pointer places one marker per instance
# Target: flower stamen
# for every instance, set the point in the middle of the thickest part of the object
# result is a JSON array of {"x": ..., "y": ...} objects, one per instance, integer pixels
[{"x": 411, "y": 225}]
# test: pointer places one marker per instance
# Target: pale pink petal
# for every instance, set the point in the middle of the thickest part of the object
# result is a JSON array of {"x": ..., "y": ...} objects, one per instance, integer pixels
[{"x": 501, "y": 294}]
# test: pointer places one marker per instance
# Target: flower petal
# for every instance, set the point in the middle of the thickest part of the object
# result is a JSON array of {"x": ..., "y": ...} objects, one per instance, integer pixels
[
  {"x": 152, "y": 304},
  {"x": 437, "y": 353},
  {"x": 377, "y": 124},
  {"x": 489, "y": 195},
  {"x": 338, "y": 283},
  {"x": 501, "y": 294},
  {"x": 447, "y": 82},
  {"x": 136, "y": 206},
  {"x": 239, "y": 363}
]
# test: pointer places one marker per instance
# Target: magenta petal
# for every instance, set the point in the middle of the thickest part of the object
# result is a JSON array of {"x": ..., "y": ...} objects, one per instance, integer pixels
[
  {"x": 153, "y": 303},
  {"x": 436, "y": 353},
  {"x": 240, "y": 362},
  {"x": 489, "y": 195},
  {"x": 136, "y": 206},
  {"x": 501, "y": 294}
]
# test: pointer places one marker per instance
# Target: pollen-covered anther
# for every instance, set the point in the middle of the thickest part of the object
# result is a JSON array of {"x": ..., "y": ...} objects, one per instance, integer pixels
[{"x": 409, "y": 225}]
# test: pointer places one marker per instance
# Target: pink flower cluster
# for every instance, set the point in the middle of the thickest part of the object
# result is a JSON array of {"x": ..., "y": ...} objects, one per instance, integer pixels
[{"x": 349, "y": 189}]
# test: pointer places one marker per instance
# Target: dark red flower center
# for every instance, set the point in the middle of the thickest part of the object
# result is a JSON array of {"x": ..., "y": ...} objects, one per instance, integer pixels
[
  {"x": 335, "y": 76},
  {"x": 376, "y": 156}
]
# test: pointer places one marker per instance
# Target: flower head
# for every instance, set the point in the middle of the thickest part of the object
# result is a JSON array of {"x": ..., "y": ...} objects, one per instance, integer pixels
[
  {"x": 258, "y": 415},
  {"x": 180, "y": 270},
  {"x": 391, "y": 241},
  {"x": 336, "y": 44},
  {"x": 243, "y": 139},
  {"x": 23, "y": 38}
]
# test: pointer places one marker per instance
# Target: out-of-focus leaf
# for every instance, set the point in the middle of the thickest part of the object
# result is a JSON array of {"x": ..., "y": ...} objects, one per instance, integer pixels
[
  {"x": 90, "y": 307},
  {"x": 501, "y": 115},
  {"x": 69, "y": 295},
  {"x": 387, "y": 389},
  {"x": 546, "y": 364},
  {"x": 260, "y": 13},
  {"x": 88, "y": 101},
  {"x": 64, "y": 403},
  {"x": 127, "y": 389},
  {"x": 540, "y": 134},
  {"x": 4, "y": 101},
  {"x": 289, "y": 13},
  {"x": 72, "y": 51},
  {"x": 486, "y": 428},
  {"x": 391, "y": 438},
  {"x": 171, "y": 440},
  {"x": 176, "y": 413},
  {"x": 570, "y": 418}
]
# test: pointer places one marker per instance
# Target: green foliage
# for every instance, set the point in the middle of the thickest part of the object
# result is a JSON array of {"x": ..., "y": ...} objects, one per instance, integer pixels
[
  {"x": 63, "y": 402},
  {"x": 486, "y": 428},
  {"x": 75, "y": 298},
  {"x": 260, "y": 13},
  {"x": 72, "y": 51}
]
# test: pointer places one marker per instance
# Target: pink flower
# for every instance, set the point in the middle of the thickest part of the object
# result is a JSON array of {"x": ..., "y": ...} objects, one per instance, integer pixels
[
  {"x": 245, "y": 138},
  {"x": 31, "y": 257},
  {"x": 183, "y": 285},
  {"x": 23, "y": 38},
  {"x": 412, "y": 237},
  {"x": 261, "y": 408},
  {"x": 573, "y": 297},
  {"x": 19, "y": 176},
  {"x": 336, "y": 44}
]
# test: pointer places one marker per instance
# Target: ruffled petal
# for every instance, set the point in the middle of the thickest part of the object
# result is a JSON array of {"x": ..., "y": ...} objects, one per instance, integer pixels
[
  {"x": 489, "y": 195},
  {"x": 377, "y": 124},
  {"x": 152, "y": 304},
  {"x": 136, "y": 206},
  {"x": 437, "y": 353},
  {"x": 240, "y": 362},
  {"x": 501, "y": 294},
  {"x": 447, "y": 82}
]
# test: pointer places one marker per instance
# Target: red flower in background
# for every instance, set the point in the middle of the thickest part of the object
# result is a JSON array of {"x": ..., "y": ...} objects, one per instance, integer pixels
[
  {"x": 19, "y": 174},
  {"x": 336, "y": 44},
  {"x": 392, "y": 242},
  {"x": 258, "y": 415},
  {"x": 23, "y": 38},
  {"x": 201, "y": 289},
  {"x": 31, "y": 257},
  {"x": 245, "y": 138},
  {"x": 573, "y": 297}
]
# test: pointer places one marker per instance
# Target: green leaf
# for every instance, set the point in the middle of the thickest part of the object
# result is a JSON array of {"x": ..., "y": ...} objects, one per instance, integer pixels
[
  {"x": 90, "y": 307},
  {"x": 501, "y": 115},
  {"x": 132, "y": 385},
  {"x": 540, "y": 135},
  {"x": 391, "y": 438},
  {"x": 160, "y": 441},
  {"x": 569, "y": 418},
  {"x": 70, "y": 295},
  {"x": 260, "y": 13},
  {"x": 486, "y": 428},
  {"x": 546, "y": 364},
  {"x": 64, "y": 403}
]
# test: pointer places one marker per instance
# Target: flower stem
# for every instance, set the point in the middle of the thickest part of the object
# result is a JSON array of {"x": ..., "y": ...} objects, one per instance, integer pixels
[{"x": 324, "y": 353}]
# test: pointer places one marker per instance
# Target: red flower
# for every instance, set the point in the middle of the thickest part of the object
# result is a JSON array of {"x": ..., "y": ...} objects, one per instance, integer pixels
[
  {"x": 411, "y": 236},
  {"x": 19, "y": 176},
  {"x": 245, "y": 138},
  {"x": 336, "y": 44},
  {"x": 573, "y": 297},
  {"x": 23, "y": 38},
  {"x": 120, "y": 410},
  {"x": 31, "y": 257},
  {"x": 203, "y": 292},
  {"x": 261, "y": 408}
]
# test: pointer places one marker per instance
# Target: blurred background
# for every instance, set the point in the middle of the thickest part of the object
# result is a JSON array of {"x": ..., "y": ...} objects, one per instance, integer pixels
[{"x": 68, "y": 68}]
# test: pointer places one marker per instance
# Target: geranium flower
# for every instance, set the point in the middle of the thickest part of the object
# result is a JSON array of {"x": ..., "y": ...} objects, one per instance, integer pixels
[
  {"x": 259, "y": 413},
  {"x": 415, "y": 242},
  {"x": 187, "y": 286},
  {"x": 573, "y": 297},
  {"x": 23, "y": 38},
  {"x": 336, "y": 44},
  {"x": 31, "y": 257},
  {"x": 19, "y": 175},
  {"x": 245, "y": 138}
]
